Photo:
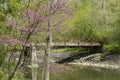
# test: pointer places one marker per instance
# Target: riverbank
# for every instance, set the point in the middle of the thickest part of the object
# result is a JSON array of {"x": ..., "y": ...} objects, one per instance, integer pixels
[
  {"x": 97, "y": 60},
  {"x": 84, "y": 58}
]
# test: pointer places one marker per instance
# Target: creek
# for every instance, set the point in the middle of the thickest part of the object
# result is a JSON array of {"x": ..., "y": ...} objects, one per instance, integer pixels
[{"x": 86, "y": 73}]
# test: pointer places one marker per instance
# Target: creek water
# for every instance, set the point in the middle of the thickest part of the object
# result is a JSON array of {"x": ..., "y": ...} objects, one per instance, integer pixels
[
  {"x": 90, "y": 73},
  {"x": 87, "y": 73}
]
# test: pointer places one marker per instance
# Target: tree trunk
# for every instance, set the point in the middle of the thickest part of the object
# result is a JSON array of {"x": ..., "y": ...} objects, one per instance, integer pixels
[
  {"x": 48, "y": 45},
  {"x": 47, "y": 52},
  {"x": 34, "y": 63},
  {"x": 46, "y": 65}
]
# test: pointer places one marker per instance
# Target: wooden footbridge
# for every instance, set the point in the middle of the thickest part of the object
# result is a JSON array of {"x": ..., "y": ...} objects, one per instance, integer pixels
[
  {"x": 72, "y": 45},
  {"x": 95, "y": 47}
]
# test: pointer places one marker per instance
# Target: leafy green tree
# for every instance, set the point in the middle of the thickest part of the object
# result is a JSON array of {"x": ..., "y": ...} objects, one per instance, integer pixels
[{"x": 84, "y": 27}]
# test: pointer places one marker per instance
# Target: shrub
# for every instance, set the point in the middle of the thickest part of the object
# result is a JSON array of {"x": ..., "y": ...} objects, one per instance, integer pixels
[
  {"x": 3, "y": 75},
  {"x": 112, "y": 48},
  {"x": 2, "y": 56}
]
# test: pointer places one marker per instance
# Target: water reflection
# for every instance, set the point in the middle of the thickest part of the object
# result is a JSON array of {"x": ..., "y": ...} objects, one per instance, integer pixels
[{"x": 88, "y": 73}]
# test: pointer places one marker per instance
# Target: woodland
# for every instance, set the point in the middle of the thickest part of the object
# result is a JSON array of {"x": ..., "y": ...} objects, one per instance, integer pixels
[{"x": 26, "y": 24}]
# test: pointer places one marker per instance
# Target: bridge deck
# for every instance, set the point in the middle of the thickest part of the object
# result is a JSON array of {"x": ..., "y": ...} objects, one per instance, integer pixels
[
  {"x": 72, "y": 45},
  {"x": 95, "y": 47},
  {"x": 76, "y": 45}
]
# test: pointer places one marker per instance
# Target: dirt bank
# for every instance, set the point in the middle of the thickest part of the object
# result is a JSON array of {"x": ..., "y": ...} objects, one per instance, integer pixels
[
  {"x": 96, "y": 60},
  {"x": 86, "y": 59}
]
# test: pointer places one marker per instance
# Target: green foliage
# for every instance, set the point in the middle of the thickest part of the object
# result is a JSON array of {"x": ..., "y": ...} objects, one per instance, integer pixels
[
  {"x": 116, "y": 31},
  {"x": 75, "y": 50},
  {"x": 2, "y": 56},
  {"x": 103, "y": 35},
  {"x": 84, "y": 27},
  {"x": 3, "y": 75},
  {"x": 2, "y": 28},
  {"x": 91, "y": 21},
  {"x": 112, "y": 48}
]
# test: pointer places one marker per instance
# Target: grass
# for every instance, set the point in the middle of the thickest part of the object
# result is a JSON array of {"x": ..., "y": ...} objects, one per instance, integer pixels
[{"x": 68, "y": 50}]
